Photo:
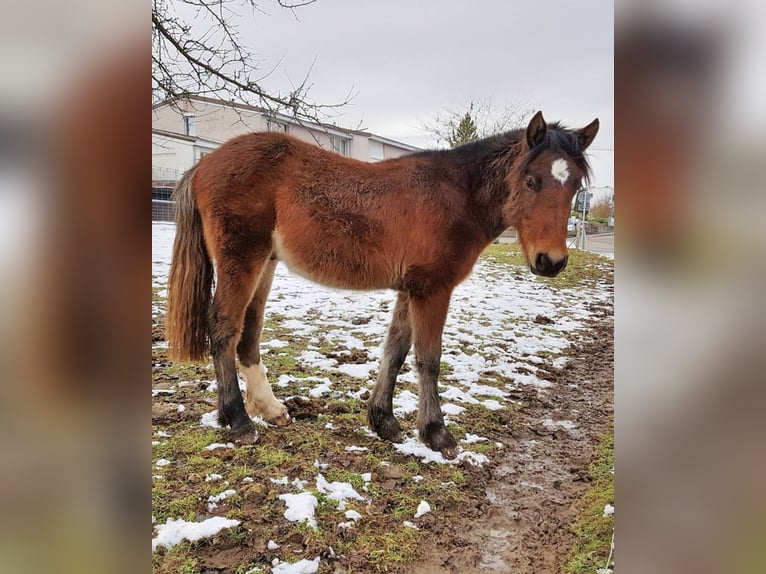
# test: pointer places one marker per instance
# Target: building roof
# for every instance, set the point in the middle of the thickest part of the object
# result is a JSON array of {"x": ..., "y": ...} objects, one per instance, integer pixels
[
  {"x": 328, "y": 128},
  {"x": 180, "y": 136}
]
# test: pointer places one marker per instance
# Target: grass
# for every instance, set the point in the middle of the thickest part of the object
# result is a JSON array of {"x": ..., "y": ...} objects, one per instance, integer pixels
[
  {"x": 379, "y": 537},
  {"x": 594, "y": 530},
  {"x": 391, "y": 549},
  {"x": 583, "y": 268}
]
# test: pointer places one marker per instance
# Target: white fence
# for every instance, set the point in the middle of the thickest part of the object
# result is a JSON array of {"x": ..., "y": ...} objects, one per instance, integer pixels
[{"x": 163, "y": 182}]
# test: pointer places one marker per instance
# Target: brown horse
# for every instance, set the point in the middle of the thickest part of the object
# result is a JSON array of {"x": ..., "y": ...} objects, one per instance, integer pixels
[{"x": 414, "y": 224}]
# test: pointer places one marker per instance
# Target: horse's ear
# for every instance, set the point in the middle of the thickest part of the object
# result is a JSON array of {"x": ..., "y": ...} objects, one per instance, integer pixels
[
  {"x": 536, "y": 130},
  {"x": 586, "y": 135}
]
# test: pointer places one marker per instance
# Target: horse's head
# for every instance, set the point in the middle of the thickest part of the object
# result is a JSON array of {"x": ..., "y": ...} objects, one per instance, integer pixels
[{"x": 543, "y": 179}]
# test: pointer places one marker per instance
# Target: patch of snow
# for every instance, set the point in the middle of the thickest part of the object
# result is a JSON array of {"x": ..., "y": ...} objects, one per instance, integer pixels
[
  {"x": 300, "y": 507},
  {"x": 216, "y": 445},
  {"x": 473, "y": 458},
  {"x": 423, "y": 508},
  {"x": 174, "y": 531},
  {"x": 414, "y": 447},
  {"x": 247, "y": 479},
  {"x": 163, "y": 434},
  {"x": 162, "y": 462},
  {"x": 409, "y": 524},
  {"x": 321, "y": 389},
  {"x": 181, "y": 408},
  {"x": 210, "y": 420},
  {"x": 328, "y": 425},
  {"x": 353, "y": 515},
  {"x": 213, "y": 477},
  {"x": 337, "y": 491},
  {"x": 368, "y": 432},
  {"x": 551, "y": 424},
  {"x": 272, "y": 545},
  {"x": 405, "y": 402},
  {"x": 472, "y": 438},
  {"x": 451, "y": 409},
  {"x": 275, "y": 344},
  {"x": 454, "y": 394},
  {"x": 608, "y": 510},
  {"x": 213, "y": 500},
  {"x": 316, "y": 360},
  {"x": 357, "y": 371},
  {"x": 356, "y": 449},
  {"x": 301, "y": 567},
  {"x": 476, "y": 389},
  {"x": 283, "y": 481},
  {"x": 367, "y": 476},
  {"x": 492, "y": 405}
]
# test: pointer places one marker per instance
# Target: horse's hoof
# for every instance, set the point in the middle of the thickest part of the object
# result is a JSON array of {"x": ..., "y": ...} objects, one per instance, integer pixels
[
  {"x": 242, "y": 427},
  {"x": 280, "y": 419},
  {"x": 385, "y": 426},
  {"x": 438, "y": 438}
]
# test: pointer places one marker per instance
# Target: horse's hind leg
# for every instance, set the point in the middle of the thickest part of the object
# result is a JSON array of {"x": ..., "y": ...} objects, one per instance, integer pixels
[
  {"x": 234, "y": 289},
  {"x": 259, "y": 398},
  {"x": 428, "y": 317},
  {"x": 380, "y": 414}
]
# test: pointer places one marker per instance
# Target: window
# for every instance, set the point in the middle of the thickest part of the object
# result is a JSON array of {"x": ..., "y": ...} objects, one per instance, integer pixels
[
  {"x": 275, "y": 126},
  {"x": 376, "y": 151},
  {"x": 340, "y": 145},
  {"x": 189, "y": 125}
]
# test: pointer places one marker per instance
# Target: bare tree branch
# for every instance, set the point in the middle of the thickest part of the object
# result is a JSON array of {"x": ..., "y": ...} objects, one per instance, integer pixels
[
  {"x": 487, "y": 119},
  {"x": 218, "y": 63}
]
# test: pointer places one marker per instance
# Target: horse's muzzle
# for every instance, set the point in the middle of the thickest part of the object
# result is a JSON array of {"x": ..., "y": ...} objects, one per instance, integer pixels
[{"x": 547, "y": 268}]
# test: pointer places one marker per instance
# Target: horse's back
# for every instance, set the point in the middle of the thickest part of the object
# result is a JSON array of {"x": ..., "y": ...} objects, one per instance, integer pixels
[{"x": 338, "y": 221}]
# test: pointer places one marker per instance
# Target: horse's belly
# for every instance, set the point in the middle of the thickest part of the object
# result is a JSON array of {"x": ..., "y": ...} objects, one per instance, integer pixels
[{"x": 339, "y": 264}]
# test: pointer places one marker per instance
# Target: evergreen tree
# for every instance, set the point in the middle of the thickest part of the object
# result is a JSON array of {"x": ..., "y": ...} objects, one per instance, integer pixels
[{"x": 464, "y": 132}]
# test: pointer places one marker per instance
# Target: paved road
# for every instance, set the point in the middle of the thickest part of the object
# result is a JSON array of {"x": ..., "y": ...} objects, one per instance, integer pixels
[{"x": 602, "y": 243}]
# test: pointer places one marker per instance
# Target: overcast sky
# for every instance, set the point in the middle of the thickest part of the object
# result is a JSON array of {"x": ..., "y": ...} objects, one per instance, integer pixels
[{"x": 408, "y": 59}]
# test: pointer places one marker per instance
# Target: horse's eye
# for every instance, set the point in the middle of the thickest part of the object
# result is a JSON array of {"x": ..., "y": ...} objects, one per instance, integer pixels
[{"x": 531, "y": 183}]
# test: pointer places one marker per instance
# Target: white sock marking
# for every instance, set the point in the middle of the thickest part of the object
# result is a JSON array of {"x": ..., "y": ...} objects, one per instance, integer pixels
[{"x": 259, "y": 398}]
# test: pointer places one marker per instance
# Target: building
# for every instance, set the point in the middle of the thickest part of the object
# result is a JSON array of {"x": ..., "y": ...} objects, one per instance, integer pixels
[{"x": 183, "y": 133}]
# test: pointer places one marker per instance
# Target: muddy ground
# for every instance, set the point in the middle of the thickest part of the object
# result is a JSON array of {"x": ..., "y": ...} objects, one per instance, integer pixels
[
  {"x": 527, "y": 520},
  {"x": 519, "y": 509}
]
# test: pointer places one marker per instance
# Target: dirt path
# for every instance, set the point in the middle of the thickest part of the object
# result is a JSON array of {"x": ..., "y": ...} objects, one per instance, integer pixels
[{"x": 532, "y": 494}]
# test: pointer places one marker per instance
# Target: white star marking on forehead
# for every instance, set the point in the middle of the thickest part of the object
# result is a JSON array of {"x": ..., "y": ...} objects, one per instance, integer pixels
[{"x": 560, "y": 170}]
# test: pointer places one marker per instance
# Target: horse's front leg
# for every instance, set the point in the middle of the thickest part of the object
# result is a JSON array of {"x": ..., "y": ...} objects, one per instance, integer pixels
[
  {"x": 428, "y": 315},
  {"x": 380, "y": 413}
]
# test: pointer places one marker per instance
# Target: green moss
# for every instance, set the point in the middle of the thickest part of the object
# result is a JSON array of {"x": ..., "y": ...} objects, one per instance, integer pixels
[
  {"x": 178, "y": 560},
  {"x": 411, "y": 468},
  {"x": 270, "y": 457},
  {"x": 339, "y": 475},
  {"x": 594, "y": 530},
  {"x": 457, "y": 477},
  {"x": 237, "y": 473},
  {"x": 389, "y": 549}
]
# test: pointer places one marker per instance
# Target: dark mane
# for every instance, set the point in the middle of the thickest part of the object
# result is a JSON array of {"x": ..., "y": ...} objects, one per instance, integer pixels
[
  {"x": 486, "y": 161},
  {"x": 561, "y": 138}
]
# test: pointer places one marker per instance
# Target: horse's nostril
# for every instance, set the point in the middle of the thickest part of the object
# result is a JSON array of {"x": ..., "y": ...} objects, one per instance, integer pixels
[
  {"x": 541, "y": 261},
  {"x": 558, "y": 267}
]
